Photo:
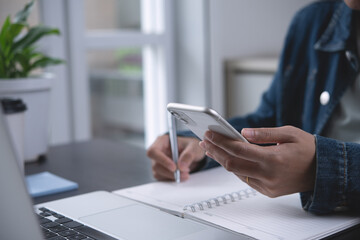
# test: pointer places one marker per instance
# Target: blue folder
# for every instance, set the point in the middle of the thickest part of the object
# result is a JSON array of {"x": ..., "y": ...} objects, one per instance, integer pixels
[{"x": 45, "y": 183}]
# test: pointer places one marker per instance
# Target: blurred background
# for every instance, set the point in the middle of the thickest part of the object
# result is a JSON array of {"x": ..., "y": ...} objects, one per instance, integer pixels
[{"x": 126, "y": 59}]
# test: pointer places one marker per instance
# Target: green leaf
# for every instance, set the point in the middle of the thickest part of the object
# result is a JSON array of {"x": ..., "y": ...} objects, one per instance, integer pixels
[
  {"x": 34, "y": 35},
  {"x": 2, "y": 68},
  {"x": 14, "y": 30},
  {"x": 24, "y": 61},
  {"x": 21, "y": 17},
  {"x": 8, "y": 33},
  {"x": 44, "y": 62},
  {"x": 4, "y": 30},
  {"x": 18, "y": 55},
  {"x": 24, "y": 58}
]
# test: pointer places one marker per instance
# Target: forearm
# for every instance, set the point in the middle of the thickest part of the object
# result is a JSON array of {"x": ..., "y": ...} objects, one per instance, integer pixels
[{"x": 337, "y": 185}]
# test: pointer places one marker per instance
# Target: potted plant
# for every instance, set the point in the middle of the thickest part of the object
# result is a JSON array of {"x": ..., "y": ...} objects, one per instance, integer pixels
[{"x": 22, "y": 76}]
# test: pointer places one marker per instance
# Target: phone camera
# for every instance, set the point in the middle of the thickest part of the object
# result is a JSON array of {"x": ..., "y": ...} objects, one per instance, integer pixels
[
  {"x": 180, "y": 116},
  {"x": 175, "y": 115}
]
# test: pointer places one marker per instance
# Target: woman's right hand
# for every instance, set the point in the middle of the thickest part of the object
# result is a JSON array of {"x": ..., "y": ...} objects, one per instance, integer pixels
[{"x": 190, "y": 156}]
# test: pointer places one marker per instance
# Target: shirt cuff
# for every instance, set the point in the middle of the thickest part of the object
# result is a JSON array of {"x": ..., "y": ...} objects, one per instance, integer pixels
[{"x": 331, "y": 180}]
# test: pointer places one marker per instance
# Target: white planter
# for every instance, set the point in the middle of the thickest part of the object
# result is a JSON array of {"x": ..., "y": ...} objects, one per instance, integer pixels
[
  {"x": 35, "y": 92},
  {"x": 15, "y": 122}
]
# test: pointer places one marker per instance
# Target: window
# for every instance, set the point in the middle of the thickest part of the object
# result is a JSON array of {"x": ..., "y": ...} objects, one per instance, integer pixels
[
  {"x": 119, "y": 64},
  {"x": 114, "y": 14},
  {"x": 116, "y": 94}
]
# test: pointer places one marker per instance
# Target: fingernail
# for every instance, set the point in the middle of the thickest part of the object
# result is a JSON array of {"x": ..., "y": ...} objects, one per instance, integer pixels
[
  {"x": 209, "y": 135},
  {"x": 248, "y": 133},
  {"x": 202, "y": 144}
]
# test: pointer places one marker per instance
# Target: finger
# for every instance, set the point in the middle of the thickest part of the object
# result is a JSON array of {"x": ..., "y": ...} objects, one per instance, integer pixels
[
  {"x": 250, "y": 152},
  {"x": 269, "y": 135},
  {"x": 253, "y": 183},
  {"x": 161, "y": 158},
  {"x": 229, "y": 162},
  {"x": 161, "y": 173},
  {"x": 162, "y": 143},
  {"x": 190, "y": 155},
  {"x": 184, "y": 176},
  {"x": 182, "y": 143},
  {"x": 185, "y": 160}
]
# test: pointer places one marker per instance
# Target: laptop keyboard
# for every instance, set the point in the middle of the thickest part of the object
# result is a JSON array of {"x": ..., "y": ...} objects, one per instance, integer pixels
[{"x": 58, "y": 227}]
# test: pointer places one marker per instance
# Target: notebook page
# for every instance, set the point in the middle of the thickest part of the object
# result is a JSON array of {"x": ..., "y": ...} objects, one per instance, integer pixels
[
  {"x": 257, "y": 216},
  {"x": 279, "y": 218},
  {"x": 172, "y": 196}
]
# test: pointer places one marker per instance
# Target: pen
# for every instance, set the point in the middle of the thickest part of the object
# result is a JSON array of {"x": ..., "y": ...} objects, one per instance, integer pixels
[{"x": 173, "y": 144}]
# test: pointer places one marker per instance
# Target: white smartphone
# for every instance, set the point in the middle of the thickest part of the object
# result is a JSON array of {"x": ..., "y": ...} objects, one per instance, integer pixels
[{"x": 201, "y": 119}]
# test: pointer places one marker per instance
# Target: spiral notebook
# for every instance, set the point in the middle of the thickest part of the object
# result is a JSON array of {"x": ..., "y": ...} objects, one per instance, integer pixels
[{"x": 218, "y": 198}]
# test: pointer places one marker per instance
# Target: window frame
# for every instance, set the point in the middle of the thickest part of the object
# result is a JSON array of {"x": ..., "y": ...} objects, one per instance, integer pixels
[{"x": 156, "y": 38}]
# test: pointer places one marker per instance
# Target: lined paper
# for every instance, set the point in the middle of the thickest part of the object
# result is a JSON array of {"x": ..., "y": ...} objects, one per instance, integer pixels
[{"x": 255, "y": 215}]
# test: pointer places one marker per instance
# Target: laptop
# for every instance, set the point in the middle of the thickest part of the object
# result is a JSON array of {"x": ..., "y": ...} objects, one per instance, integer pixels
[{"x": 96, "y": 215}]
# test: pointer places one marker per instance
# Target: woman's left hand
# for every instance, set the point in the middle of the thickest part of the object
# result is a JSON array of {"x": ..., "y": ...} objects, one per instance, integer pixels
[{"x": 288, "y": 166}]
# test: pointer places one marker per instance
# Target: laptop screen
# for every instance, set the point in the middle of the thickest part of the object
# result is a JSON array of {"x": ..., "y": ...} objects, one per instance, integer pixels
[{"x": 18, "y": 220}]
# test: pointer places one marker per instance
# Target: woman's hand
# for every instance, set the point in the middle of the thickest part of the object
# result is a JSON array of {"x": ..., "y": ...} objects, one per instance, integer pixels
[
  {"x": 286, "y": 167},
  {"x": 190, "y": 155}
]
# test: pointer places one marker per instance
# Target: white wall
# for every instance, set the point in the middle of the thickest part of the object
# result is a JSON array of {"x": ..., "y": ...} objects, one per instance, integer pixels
[
  {"x": 245, "y": 28},
  {"x": 190, "y": 44}
]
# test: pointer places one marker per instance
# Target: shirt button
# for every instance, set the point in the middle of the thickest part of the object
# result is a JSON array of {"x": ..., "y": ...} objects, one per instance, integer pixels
[
  {"x": 351, "y": 57},
  {"x": 324, "y": 98}
]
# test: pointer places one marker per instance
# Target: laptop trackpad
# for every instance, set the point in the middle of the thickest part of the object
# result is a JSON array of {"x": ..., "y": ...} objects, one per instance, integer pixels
[{"x": 142, "y": 222}]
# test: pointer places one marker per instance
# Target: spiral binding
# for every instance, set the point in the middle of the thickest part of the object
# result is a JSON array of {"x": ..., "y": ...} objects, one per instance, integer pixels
[{"x": 224, "y": 199}]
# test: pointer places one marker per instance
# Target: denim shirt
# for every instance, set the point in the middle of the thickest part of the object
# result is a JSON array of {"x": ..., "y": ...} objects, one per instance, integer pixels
[{"x": 319, "y": 56}]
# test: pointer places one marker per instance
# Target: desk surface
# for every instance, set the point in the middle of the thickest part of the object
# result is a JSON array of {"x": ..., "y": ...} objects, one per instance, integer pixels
[
  {"x": 95, "y": 165},
  {"x": 105, "y": 165}
]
